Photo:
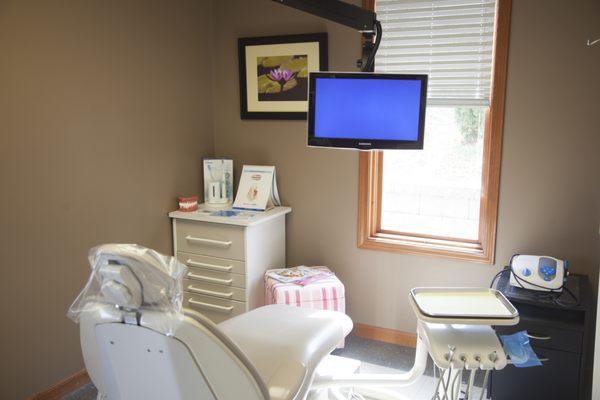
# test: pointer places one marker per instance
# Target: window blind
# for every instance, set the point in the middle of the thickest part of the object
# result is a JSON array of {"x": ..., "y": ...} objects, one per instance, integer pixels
[{"x": 450, "y": 40}]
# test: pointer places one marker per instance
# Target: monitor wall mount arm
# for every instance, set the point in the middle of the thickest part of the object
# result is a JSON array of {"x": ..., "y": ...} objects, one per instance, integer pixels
[{"x": 362, "y": 20}]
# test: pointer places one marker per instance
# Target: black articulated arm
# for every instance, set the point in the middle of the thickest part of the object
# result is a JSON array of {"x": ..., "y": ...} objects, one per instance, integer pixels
[
  {"x": 338, "y": 11},
  {"x": 362, "y": 20}
]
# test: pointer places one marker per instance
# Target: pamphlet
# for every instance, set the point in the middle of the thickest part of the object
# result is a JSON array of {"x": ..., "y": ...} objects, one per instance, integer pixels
[
  {"x": 257, "y": 190},
  {"x": 301, "y": 275}
]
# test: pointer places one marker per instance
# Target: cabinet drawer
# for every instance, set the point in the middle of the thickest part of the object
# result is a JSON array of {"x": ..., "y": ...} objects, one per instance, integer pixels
[
  {"x": 548, "y": 337},
  {"x": 556, "y": 378},
  {"x": 212, "y": 263},
  {"x": 208, "y": 289},
  {"x": 217, "y": 240},
  {"x": 216, "y": 278},
  {"x": 217, "y": 310}
]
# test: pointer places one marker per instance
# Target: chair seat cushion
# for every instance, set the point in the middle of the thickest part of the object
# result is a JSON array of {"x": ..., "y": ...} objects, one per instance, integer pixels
[{"x": 285, "y": 344}]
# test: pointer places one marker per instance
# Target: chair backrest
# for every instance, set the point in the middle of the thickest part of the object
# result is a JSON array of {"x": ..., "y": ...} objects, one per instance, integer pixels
[
  {"x": 137, "y": 361},
  {"x": 138, "y": 344}
]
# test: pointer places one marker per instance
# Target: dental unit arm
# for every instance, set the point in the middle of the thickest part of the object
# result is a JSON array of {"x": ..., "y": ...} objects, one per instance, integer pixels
[
  {"x": 361, "y": 19},
  {"x": 139, "y": 343},
  {"x": 454, "y": 327}
]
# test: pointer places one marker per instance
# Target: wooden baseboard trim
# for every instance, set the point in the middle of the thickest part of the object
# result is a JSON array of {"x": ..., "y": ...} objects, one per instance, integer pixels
[
  {"x": 64, "y": 387},
  {"x": 385, "y": 335}
]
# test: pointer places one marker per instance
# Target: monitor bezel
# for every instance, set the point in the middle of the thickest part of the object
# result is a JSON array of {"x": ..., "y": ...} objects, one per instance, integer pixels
[{"x": 365, "y": 144}]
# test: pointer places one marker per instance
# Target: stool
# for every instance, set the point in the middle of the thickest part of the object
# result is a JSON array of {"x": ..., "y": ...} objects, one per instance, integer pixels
[{"x": 324, "y": 294}]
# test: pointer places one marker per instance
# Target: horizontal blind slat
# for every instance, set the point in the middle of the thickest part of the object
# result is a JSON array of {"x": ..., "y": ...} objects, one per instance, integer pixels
[
  {"x": 408, "y": 44},
  {"x": 462, "y": 58},
  {"x": 432, "y": 29},
  {"x": 427, "y": 18},
  {"x": 416, "y": 35},
  {"x": 450, "y": 40},
  {"x": 456, "y": 102},
  {"x": 439, "y": 50},
  {"x": 438, "y": 40},
  {"x": 435, "y": 9},
  {"x": 448, "y": 65},
  {"x": 430, "y": 3},
  {"x": 447, "y": 12}
]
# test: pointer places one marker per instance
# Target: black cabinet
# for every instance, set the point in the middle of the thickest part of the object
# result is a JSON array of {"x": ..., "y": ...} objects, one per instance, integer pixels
[
  {"x": 559, "y": 334},
  {"x": 558, "y": 378}
]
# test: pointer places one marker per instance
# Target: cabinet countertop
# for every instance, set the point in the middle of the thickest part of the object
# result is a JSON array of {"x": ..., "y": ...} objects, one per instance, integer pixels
[
  {"x": 576, "y": 283},
  {"x": 250, "y": 218}
]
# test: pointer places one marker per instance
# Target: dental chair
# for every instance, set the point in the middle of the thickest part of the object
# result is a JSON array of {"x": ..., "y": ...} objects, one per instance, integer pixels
[{"x": 138, "y": 342}]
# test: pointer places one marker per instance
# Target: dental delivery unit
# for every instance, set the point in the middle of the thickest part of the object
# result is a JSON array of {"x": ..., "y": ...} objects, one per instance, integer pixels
[{"x": 139, "y": 343}]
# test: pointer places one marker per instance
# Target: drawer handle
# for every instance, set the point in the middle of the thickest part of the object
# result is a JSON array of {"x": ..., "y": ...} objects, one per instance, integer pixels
[
  {"x": 210, "y": 292},
  {"x": 538, "y": 337},
  {"x": 211, "y": 306},
  {"x": 209, "y": 279},
  {"x": 210, "y": 266},
  {"x": 543, "y": 358},
  {"x": 210, "y": 242}
]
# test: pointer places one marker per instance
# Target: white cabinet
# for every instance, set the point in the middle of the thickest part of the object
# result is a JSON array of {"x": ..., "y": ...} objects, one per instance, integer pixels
[{"x": 227, "y": 259}]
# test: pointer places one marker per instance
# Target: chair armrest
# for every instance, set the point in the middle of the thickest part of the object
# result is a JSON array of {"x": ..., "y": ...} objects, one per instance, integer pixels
[{"x": 288, "y": 381}]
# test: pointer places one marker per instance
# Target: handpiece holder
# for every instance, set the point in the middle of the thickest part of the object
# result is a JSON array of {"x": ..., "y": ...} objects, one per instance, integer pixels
[{"x": 454, "y": 328}]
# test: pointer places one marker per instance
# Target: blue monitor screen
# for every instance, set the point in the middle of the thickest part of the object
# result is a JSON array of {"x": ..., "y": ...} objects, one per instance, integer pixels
[{"x": 370, "y": 108}]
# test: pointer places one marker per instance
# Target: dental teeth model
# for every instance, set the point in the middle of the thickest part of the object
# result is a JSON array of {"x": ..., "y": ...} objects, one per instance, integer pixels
[{"x": 188, "y": 203}]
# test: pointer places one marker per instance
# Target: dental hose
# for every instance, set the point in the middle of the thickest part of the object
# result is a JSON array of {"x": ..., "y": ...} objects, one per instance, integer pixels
[
  {"x": 436, "y": 394},
  {"x": 485, "y": 380},
  {"x": 456, "y": 393},
  {"x": 445, "y": 385},
  {"x": 470, "y": 385}
]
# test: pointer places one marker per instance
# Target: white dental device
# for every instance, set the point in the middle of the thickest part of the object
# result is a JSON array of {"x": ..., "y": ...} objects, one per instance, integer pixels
[
  {"x": 542, "y": 273},
  {"x": 218, "y": 183}
]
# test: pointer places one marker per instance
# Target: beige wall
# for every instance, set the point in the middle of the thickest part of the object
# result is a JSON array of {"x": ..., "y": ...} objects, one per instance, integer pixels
[
  {"x": 549, "y": 194},
  {"x": 106, "y": 110},
  {"x": 105, "y": 113}
]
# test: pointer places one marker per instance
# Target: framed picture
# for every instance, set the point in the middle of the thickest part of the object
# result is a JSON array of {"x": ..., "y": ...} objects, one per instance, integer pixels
[{"x": 274, "y": 74}]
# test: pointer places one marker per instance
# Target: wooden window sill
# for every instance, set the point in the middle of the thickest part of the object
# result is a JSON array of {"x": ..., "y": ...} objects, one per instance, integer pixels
[{"x": 452, "y": 249}]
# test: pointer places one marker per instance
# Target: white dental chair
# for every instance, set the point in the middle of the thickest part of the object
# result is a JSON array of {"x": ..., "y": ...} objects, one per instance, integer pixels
[{"x": 138, "y": 343}]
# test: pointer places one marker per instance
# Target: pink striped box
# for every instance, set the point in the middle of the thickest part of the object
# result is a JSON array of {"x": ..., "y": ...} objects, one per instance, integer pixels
[{"x": 324, "y": 294}]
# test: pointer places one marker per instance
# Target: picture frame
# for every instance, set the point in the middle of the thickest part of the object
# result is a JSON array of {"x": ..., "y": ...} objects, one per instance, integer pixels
[{"x": 274, "y": 74}]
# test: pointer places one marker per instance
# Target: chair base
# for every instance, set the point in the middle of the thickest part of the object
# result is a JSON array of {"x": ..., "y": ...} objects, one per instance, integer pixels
[{"x": 331, "y": 366}]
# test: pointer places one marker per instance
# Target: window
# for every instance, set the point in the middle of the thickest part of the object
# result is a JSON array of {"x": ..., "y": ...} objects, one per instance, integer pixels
[{"x": 441, "y": 200}]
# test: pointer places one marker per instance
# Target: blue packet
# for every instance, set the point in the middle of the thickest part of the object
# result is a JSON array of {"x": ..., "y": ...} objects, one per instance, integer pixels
[
  {"x": 225, "y": 213},
  {"x": 518, "y": 348}
]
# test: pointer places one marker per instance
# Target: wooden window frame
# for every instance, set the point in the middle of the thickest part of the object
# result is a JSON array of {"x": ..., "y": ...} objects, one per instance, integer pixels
[{"x": 370, "y": 234}]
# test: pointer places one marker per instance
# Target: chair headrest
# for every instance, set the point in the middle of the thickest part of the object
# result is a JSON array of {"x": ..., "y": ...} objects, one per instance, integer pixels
[
  {"x": 120, "y": 286},
  {"x": 131, "y": 277}
]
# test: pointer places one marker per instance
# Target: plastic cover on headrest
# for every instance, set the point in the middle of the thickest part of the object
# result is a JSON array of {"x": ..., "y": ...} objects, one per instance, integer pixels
[{"x": 131, "y": 277}]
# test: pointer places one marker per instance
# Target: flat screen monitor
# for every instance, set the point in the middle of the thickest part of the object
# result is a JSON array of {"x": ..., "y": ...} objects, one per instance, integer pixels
[{"x": 366, "y": 110}]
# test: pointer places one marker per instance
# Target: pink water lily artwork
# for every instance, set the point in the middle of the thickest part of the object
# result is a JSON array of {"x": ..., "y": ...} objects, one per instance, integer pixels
[
  {"x": 274, "y": 72},
  {"x": 279, "y": 75},
  {"x": 282, "y": 77}
]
